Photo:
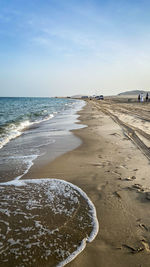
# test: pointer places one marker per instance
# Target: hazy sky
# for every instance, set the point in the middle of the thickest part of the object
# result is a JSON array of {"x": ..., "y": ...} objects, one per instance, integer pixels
[{"x": 67, "y": 47}]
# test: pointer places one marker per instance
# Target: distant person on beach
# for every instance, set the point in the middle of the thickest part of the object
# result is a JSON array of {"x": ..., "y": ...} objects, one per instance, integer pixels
[
  {"x": 139, "y": 97},
  {"x": 147, "y": 97}
]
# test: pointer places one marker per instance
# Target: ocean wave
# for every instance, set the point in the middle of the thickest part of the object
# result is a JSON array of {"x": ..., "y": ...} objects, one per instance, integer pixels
[
  {"x": 14, "y": 130},
  {"x": 19, "y": 114}
]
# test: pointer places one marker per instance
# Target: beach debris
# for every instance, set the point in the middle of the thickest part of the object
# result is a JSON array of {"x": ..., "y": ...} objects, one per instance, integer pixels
[
  {"x": 137, "y": 186},
  {"x": 116, "y": 193},
  {"x": 97, "y": 164},
  {"x": 123, "y": 166},
  {"x": 130, "y": 178},
  {"x": 115, "y": 172},
  {"x": 146, "y": 245},
  {"x": 132, "y": 249},
  {"x": 115, "y": 134},
  {"x": 143, "y": 226}
]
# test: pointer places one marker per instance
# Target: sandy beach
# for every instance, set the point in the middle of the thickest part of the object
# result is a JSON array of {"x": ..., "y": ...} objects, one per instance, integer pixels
[
  {"x": 109, "y": 162},
  {"x": 74, "y": 133},
  {"x": 112, "y": 167}
]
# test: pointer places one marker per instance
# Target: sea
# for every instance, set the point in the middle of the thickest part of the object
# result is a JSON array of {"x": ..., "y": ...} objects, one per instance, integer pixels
[
  {"x": 43, "y": 222},
  {"x": 28, "y": 126}
]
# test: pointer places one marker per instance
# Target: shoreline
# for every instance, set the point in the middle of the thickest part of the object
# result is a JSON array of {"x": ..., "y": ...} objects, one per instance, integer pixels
[
  {"x": 65, "y": 142},
  {"x": 42, "y": 141},
  {"x": 100, "y": 166}
]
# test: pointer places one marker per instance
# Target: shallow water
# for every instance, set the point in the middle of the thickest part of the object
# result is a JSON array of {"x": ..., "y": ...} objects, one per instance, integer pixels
[
  {"x": 48, "y": 120},
  {"x": 44, "y": 222}
]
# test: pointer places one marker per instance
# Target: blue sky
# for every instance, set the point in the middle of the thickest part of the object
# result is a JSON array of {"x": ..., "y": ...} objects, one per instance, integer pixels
[{"x": 67, "y": 47}]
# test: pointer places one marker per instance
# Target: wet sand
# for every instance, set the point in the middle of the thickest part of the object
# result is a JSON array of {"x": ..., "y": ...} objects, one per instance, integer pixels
[
  {"x": 112, "y": 167},
  {"x": 44, "y": 222}
]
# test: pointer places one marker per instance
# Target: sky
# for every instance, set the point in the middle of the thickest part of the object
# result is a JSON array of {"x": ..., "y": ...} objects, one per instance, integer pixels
[{"x": 69, "y": 47}]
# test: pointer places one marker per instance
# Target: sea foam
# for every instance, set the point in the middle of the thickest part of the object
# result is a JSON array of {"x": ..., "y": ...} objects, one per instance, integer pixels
[
  {"x": 14, "y": 130},
  {"x": 46, "y": 219}
]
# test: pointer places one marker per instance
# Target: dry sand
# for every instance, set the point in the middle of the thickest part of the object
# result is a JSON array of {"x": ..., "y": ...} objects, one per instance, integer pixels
[{"x": 112, "y": 167}]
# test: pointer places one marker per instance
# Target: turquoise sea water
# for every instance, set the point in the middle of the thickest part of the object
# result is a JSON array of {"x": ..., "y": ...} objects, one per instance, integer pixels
[
  {"x": 18, "y": 113},
  {"x": 43, "y": 222},
  {"x": 27, "y": 126}
]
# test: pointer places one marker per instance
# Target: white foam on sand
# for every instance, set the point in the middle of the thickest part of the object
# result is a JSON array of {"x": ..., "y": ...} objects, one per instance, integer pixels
[
  {"x": 29, "y": 161},
  {"x": 62, "y": 198}
]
